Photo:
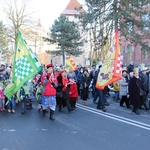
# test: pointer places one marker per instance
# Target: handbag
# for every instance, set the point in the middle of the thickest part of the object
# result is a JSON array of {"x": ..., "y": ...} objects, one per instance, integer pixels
[{"x": 142, "y": 92}]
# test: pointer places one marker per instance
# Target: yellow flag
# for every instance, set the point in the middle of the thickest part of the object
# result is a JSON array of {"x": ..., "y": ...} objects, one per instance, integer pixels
[{"x": 111, "y": 69}]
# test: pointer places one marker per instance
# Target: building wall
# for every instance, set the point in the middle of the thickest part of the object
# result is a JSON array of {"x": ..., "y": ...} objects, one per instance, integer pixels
[{"x": 133, "y": 53}]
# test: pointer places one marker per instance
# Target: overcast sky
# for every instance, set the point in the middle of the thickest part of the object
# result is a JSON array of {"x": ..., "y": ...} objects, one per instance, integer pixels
[{"x": 46, "y": 10}]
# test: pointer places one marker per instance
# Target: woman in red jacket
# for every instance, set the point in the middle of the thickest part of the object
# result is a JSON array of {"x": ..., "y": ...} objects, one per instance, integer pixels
[{"x": 49, "y": 92}]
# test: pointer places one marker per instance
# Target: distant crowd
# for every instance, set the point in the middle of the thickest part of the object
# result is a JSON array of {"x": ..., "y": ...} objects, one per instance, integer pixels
[{"x": 53, "y": 88}]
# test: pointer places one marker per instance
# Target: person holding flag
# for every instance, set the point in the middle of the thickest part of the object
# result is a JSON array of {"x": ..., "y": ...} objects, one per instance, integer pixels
[
  {"x": 25, "y": 66},
  {"x": 111, "y": 69},
  {"x": 99, "y": 94}
]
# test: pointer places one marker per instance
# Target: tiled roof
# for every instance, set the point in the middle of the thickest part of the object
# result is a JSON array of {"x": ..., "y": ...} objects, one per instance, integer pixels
[
  {"x": 70, "y": 9},
  {"x": 72, "y": 5}
]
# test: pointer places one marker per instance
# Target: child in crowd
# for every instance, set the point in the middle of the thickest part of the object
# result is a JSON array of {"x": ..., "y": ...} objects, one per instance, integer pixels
[
  {"x": 2, "y": 97},
  {"x": 73, "y": 93},
  {"x": 39, "y": 96},
  {"x": 116, "y": 90},
  {"x": 11, "y": 105},
  {"x": 23, "y": 96}
]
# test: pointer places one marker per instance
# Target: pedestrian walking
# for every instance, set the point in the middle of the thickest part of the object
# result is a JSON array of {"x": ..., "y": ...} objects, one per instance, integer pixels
[
  {"x": 134, "y": 91},
  {"x": 49, "y": 94},
  {"x": 144, "y": 79},
  {"x": 85, "y": 82},
  {"x": 123, "y": 86}
]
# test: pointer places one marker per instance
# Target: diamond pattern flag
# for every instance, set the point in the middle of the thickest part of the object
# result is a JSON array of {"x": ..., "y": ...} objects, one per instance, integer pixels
[
  {"x": 70, "y": 64},
  {"x": 111, "y": 69},
  {"x": 25, "y": 66}
]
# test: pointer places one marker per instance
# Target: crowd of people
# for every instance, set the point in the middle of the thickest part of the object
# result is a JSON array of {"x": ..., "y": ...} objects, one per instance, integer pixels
[{"x": 54, "y": 87}]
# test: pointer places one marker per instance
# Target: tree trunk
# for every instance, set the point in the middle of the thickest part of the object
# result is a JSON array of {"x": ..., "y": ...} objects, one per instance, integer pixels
[
  {"x": 115, "y": 7},
  {"x": 63, "y": 56}
]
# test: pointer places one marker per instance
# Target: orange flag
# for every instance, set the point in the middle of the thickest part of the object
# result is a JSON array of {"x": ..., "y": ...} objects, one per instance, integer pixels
[{"x": 111, "y": 69}]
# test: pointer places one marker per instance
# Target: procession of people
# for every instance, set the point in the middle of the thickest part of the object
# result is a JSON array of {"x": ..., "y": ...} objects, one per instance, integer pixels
[{"x": 54, "y": 87}]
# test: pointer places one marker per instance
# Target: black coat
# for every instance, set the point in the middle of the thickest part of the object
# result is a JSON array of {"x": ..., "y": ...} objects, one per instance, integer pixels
[
  {"x": 85, "y": 80},
  {"x": 59, "y": 89},
  {"x": 60, "y": 84},
  {"x": 134, "y": 91}
]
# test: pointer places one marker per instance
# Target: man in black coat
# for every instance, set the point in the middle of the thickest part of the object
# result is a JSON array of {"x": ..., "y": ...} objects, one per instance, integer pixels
[
  {"x": 130, "y": 67},
  {"x": 144, "y": 80}
]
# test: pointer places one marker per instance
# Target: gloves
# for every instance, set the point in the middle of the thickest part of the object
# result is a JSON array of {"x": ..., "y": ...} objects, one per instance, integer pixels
[
  {"x": 60, "y": 86},
  {"x": 47, "y": 77},
  {"x": 54, "y": 85}
]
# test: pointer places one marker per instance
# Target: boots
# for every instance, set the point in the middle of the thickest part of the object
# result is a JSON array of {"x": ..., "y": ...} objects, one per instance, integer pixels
[
  {"x": 44, "y": 113},
  {"x": 70, "y": 109},
  {"x": 51, "y": 115},
  {"x": 74, "y": 103}
]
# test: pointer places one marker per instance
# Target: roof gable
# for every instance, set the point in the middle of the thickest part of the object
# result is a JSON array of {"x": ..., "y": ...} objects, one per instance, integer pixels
[
  {"x": 72, "y": 5},
  {"x": 70, "y": 9}
]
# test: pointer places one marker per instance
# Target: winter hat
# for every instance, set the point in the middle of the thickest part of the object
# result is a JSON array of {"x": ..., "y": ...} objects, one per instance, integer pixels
[
  {"x": 144, "y": 68},
  {"x": 49, "y": 65}
]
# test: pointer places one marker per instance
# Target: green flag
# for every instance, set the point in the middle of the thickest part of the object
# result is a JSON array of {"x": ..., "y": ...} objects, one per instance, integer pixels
[{"x": 25, "y": 66}]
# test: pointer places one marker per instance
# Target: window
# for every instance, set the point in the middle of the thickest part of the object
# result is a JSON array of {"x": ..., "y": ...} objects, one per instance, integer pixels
[
  {"x": 146, "y": 23},
  {"x": 144, "y": 54}
]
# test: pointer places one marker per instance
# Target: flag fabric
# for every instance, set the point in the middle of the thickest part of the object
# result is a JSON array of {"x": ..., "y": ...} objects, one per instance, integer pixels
[
  {"x": 70, "y": 64},
  {"x": 25, "y": 66},
  {"x": 111, "y": 70}
]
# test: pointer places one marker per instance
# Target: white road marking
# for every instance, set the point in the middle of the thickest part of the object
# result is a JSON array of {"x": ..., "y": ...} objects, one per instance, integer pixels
[
  {"x": 11, "y": 130},
  {"x": 44, "y": 129},
  {"x": 115, "y": 117}
]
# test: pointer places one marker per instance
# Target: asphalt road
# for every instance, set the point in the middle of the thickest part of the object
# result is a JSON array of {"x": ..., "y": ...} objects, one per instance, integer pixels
[{"x": 86, "y": 128}]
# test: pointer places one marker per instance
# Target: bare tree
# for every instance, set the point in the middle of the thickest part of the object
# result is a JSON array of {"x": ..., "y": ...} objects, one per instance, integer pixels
[{"x": 17, "y": 14}]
